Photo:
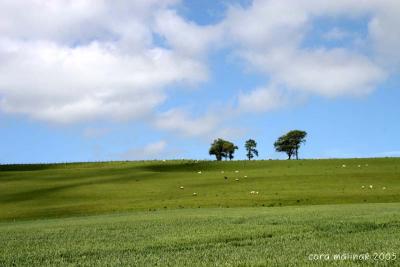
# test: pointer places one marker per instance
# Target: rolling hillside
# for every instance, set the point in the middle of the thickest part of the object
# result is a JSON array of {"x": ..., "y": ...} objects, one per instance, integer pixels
[{"x": 258, "y": 213}]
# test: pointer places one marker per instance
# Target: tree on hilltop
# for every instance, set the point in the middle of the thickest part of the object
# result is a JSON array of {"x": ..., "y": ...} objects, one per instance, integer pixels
[
  {"x": 250, "y": 146},
  {"x": 290, "y": 143},
  {"x": 222, "y": 149}
]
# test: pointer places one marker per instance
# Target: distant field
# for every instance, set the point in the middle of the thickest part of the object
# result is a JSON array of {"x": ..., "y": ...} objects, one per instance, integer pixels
[
  {"x": 135, "y": 213},
  {"x": 48, "y": 191}
]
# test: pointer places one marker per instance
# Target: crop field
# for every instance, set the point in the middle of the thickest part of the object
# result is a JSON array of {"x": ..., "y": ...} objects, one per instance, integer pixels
[{"x": 189, "y": 213}]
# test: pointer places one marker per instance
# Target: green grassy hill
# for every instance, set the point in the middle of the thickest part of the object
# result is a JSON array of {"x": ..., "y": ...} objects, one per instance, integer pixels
[
  {"x": 143, "y": 217},
  {"x": 38, "y": 191}
]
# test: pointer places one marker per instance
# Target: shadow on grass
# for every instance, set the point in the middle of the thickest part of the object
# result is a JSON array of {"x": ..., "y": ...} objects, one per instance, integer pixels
[{"x": 42, "y": 193}]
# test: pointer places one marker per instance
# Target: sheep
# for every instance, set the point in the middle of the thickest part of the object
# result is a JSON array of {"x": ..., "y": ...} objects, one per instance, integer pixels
[
  {"x": 194, "y": 194},
  {"x": 363, "y": 187},
  {"x": 237, "y": 179},
  {"x": 237, "y": 171},
  {"x": 199, "y": 172},
  {"x": 245, "y": 176},
  {"x": 344, "y": 166},
  {"x": 181, "y": 187},
  {"x": 222, "y": 171},
  {"x": 359, "y": 166},
  {"x": 370, "y": 186},
  {"x": 384, "y": 188}
]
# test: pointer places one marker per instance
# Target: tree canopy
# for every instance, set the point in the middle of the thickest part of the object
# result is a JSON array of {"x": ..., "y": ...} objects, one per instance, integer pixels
[
  {"x": 222, "y": 149},
  {"x": 250, "y": 147},
  {"x": 290, "y": 143}
]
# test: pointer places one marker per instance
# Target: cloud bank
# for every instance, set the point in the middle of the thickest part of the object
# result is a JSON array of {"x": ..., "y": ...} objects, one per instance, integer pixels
[{"x": 71, "y": 61}]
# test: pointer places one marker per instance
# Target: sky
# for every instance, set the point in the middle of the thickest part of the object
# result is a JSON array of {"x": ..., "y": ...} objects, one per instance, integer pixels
[{"x": 99, "y": 80}]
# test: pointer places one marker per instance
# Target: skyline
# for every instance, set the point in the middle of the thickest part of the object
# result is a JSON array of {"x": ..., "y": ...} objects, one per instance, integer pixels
[{"x": 95, "y": 81}]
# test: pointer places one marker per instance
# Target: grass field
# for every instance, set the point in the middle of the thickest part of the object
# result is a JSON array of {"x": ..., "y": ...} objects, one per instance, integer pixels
[{"x": 141, "y": 216}]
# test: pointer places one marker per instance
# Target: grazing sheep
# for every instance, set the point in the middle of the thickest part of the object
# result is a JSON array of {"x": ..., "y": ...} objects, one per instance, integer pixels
[
  {"x": 181, "y": 187},
  {"x": 256, "y": 192},
  {"x": 237, "y": 179},
  {"x": 164, "y": 160},
  {"x": 199, "y": 172},
  {"x": 252, "y": 192},
  {"x": 222, "y": 171},
  {"x": 359, "y": 166},
  {"x": 344, "y": 166},
  {"x": 237, "y": 171},
  {"x": 370, "y": 186},
  {"x": 245, "y": 176},
  {"x": 384, "y": 188},
  {"x": 195, "y": 194},
  {"x": 362, "y": 187}
]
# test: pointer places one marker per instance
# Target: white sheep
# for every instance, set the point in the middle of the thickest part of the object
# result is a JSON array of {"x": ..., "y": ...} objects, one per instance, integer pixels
[
  {"x": 194, "y": 194},
  {"x": 245, "y": 176},
  {"x": 370, "y": 186},
  {"x": 199, "y": 172},
  {"x": 222, "y": 171},
  {"x": 181, "y": 187},
  {"x": 384, "y": 188},
  {"x": 237, "y": 179},
  {"x": 237, "y": 171},
  {"x": 344, "y": 166},
  {"x": 362, "y": 187}
]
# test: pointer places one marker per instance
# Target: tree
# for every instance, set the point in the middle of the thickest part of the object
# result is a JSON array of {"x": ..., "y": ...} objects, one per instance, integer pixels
[
  {"x": 230, "y": 149},
  {"x": 250, "y": 146},
  {"x": 290, "y": 143},
  {"x": 222, "y": 149}
]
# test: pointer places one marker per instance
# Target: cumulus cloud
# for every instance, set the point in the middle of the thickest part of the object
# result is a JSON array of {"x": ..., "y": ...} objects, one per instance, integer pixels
[
  {"x": 187, "y": 37},
  {"x": 261, "y": 100},
  {"x": 336, "y": 34},
  {"x": 68, "y": 61},
  {"x": 179, "y": 121},
  {"x": 270, "y": 35},
  {"x": 154, "y": 150},
  {"x": 95, "y": 132}
]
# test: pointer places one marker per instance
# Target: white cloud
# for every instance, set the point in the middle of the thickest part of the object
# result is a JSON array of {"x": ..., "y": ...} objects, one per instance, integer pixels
[
  {"x": 330, "y": 73},
  {"x": 154, "y": 150},
  {"x": 336, "y": 34},
  {"x": 261, "y": 100},
  {"x": 187, "y": 37},
  {"x": 270, "y": 33},
  {"x": 95, "y": 132},
  {"x": 177, "y": 120},
  {"x": 64, "y": 84},
  {"x": 215, "y": 123},
  {"x": 68, "y": 61}
]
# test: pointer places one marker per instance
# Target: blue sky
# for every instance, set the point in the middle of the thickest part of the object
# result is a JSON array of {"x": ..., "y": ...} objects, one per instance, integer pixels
[{"x": 137, "y": 80}]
